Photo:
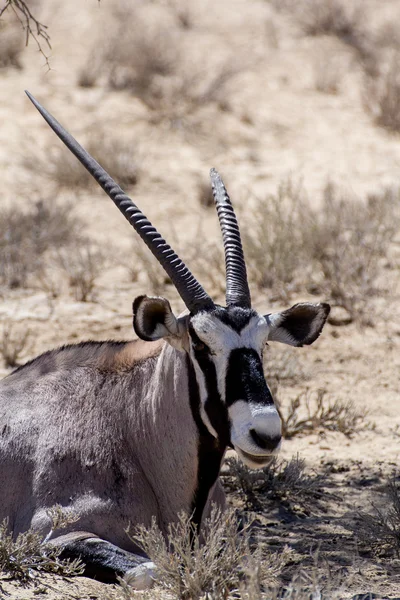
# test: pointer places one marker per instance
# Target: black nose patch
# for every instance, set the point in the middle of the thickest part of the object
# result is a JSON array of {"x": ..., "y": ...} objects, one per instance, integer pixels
[{"x": 245, "y": 378}]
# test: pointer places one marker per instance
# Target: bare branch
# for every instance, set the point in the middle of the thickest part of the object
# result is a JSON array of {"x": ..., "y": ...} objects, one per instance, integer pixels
[{"x": 31, "y": 25}]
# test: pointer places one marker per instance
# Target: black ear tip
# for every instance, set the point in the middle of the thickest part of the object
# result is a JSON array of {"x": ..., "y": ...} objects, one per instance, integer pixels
[
  {"x": 136, "y": 303},
  {"x": 326, "y": 308}
]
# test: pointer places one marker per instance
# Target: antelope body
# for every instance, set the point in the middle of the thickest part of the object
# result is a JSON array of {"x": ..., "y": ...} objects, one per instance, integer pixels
[{"x": 122, "y": 432}]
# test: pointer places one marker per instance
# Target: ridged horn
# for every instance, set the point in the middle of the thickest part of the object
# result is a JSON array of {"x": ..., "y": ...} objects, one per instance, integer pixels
[
  {"x": 190, "y": 290},
  {"x": 237, "y": 288}
]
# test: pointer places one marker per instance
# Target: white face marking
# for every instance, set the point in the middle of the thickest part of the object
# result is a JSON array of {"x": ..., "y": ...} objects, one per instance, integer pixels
[
  {"x": 221, "y": 339},
  {"x": 245, "y": 417}
]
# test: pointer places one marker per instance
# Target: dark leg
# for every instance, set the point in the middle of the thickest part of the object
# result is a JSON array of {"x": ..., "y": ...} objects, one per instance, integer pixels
[{"x": 104, "y": 561}]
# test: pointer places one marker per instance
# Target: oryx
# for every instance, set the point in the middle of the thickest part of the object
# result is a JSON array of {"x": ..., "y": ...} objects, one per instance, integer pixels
[{"x": 121, "y": 431}]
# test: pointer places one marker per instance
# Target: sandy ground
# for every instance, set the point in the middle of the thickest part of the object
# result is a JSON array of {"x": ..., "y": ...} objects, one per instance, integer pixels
[{"x": 276, "y": 125}]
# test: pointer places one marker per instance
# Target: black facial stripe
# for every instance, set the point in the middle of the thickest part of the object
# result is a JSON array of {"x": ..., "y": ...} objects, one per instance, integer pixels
[
  {"x": 215, "y": 408},
  {"x": 210, "y": 453},
  {"x": 245, "y": 378}
]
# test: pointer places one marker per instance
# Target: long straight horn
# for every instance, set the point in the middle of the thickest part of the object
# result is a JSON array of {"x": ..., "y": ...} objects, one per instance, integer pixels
[
  {"x": 237, "y": 288},
  {"x": 188, "y": 287}
]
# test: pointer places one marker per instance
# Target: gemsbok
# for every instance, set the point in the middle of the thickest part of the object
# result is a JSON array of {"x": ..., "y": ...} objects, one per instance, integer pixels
[{"x": 119, "y": 432}]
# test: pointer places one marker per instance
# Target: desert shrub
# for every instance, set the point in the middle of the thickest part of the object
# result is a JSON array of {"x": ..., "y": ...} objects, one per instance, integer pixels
[
  {"x": 27, "y": 234},
  {"x": 335, "y": 251},
  {"x": 217, "y": 568},
  {"x": 13, "y": 341},
  {"x": 286, "y": 482},
  {"x": 348, "y": 240},
  {"x": 29, "y": 554},
  {"x": 381, "y": 94},
  {"x": 273, "y": 239},
  {"x": 312, "y": 412},
  {"x": 149, "y": 59},
  {"x": 379, "y": 529},
  {"x": 82, "y": 264}
]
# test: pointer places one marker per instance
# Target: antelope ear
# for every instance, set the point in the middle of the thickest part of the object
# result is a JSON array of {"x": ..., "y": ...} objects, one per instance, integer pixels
[
  {"x": 298, "y": 325},
  {"x": 153, "y": 318}
]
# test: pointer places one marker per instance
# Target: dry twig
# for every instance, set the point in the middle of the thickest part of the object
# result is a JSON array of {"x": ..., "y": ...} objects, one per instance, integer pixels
[{"x": 31, "y": 25}]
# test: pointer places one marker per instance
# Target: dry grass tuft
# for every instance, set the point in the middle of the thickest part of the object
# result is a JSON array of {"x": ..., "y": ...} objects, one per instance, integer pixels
[
  {"x": 312, "y": 412},
  {"x": 222, "y": 567},
  {"x": 379, "y": 530},
  {"x": 29, "y": 555},
  {"x": 285, "y": 482},
  {"x": 335, "y": 252},
  {"x": 38, "y": 248},
  {"x": 82, "y": 264},
  {"x": 273, "y": 239},
  {"x": 27, "y": 235},
  {"x": 348, "y": 240}
]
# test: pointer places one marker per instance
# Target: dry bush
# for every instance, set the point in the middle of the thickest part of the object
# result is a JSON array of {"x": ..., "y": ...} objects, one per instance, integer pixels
[
  {"x": 13, "y": 343},
  {"x": 282, "y": 481},
  {"x": 312, "y": 412},
  {"x": 381, "y": 94},
  {"x": 28, "y": 555},
  {"x": 335, "y": 252},
  {"x": 220, "y": 567},
  {"x": 273, "y": 239},
  {"x": 150, "y": 58},
  {"x": 27, "y": 235},
  {"x": 114, "y": 154},
  {"x": 348, "y": 240},
  {"x": 379, "y": 530},
  {"x": 82, "y": 264}
]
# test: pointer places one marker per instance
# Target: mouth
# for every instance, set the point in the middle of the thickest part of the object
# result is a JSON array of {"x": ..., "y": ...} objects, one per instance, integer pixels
[{"x": 254, "y": 460}]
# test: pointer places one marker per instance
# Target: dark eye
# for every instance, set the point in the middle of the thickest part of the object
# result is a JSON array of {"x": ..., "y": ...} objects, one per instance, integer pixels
[{"x": 199, "y": 346}]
